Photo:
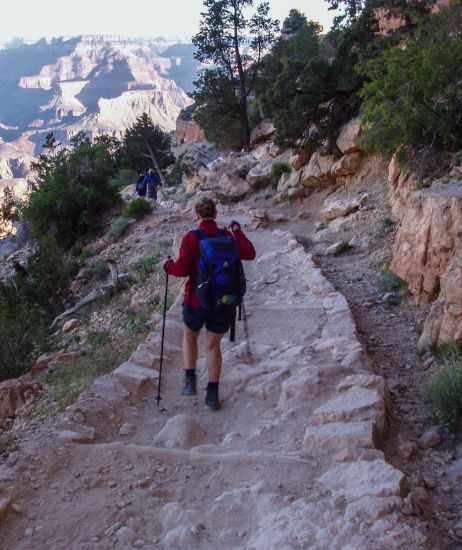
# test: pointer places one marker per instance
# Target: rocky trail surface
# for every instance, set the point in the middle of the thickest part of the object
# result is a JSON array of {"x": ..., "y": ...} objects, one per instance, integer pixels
[{"x": 292, "y": 461}]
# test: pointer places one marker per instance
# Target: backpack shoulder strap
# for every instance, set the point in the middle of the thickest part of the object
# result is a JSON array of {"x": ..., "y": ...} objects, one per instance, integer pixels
[{"x": 200, "y": 234}]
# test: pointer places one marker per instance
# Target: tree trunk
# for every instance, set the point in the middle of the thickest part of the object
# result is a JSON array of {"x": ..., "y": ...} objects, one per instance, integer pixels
[
  {"x": 242, "y": 88},
  {"x": 156, "y": 164}
]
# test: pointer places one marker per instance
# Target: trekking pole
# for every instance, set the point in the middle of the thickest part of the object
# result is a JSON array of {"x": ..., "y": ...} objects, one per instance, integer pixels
[
  {"x": 162, "y": 339},
  {"x": 246, "y": 332}
]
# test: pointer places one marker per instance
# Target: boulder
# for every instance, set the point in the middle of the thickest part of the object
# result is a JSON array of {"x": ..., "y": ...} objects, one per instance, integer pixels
[
  {"x": 348, "y": 165},
  {"x": 227, "y": 177},
  {"x": 260, "y": 175},
  {"x": 289, "y": 181},
  {"x": 196, "y": 164},
  {"x": 318, "y": 171},
  {"x": 14, "y": 395},
  {"x": 231, "y": 188},
  {"x": 347, "y": 140},
  {"x": 266, "y": 151},
  {"x": 262, "y": 131},
  {"x": 339, "y": 208},
  {"x": 302, "y": 158}
]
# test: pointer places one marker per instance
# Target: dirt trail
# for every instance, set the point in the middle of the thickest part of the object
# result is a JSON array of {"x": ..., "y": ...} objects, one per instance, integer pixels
[{"x": 290, "y": 462}]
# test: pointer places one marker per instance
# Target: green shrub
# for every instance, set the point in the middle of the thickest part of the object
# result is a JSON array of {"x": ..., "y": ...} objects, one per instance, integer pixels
[
  {"x": 118, "y": 228},
  {"x": 23, "y": 332},
  {"x": 449, "y": 352},
  {"x": 99, "y": 338},
  {"x": 145, "y": 266},
  {"x": 278, "y": 169},
  {"x": 28, "y": 303},
  {"x": 412, "y": 97},
  {"x": 389, "y": 282},
  {"x": 72, "y": 190},
  {"x": 444, "y": 392},
  {"x": 137, "y": 209},
  {"x": 99, "y": 270}
]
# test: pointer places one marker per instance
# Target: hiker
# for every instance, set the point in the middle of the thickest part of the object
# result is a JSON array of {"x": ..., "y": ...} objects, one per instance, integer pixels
[
  {"x": 217, "y": 318},
  {"x": 153, "y": 182},
  {"x": 140, "y": 187}
]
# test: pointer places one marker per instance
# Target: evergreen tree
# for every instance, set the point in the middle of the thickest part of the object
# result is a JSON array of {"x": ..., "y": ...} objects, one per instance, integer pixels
[
  {"x": 146, "y": 145},
  {"x": 234, "y": 43}
]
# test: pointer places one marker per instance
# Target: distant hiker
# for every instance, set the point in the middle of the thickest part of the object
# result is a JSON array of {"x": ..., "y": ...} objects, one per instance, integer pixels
[
  {"x": 140, "y": 186},
  {"x": 152, "y": 182},
  {"x": 204, "y": 301}
]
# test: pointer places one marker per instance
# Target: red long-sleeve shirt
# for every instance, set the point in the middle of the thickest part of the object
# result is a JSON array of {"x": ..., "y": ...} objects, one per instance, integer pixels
[{"x": 187, "y": 263}]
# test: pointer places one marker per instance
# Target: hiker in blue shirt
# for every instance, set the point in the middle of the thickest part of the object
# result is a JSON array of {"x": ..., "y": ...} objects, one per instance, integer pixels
[
  {"x": 140, "y": 186},
  {"x": 152, "y": 182}
]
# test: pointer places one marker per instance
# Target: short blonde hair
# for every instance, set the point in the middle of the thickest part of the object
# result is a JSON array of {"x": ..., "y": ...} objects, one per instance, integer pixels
[{"x": 206, "y": 208}]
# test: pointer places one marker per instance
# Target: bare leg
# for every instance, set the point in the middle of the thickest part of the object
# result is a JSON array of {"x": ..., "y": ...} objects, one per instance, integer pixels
[
  {"x": 214, "y": 359},
  {"x": 190, "y": 348}
]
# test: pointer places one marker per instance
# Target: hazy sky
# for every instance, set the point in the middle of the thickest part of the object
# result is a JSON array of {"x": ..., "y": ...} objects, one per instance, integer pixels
[{"x": 170, "y": 18}]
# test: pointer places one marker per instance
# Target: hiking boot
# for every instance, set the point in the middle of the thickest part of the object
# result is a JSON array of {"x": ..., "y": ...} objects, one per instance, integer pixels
[
  {"x": 189, "y": 387},
  {"x": 211, "y": 399}
]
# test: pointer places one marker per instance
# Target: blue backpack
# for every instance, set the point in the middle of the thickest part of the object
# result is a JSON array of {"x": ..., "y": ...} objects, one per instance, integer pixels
[{"x": 221, "y": 280}]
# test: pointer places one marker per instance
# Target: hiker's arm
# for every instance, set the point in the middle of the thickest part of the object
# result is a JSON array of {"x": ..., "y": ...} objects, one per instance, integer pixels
[
  {"x": 246, "y": 248},
  {"x": 183, "y": 266}
]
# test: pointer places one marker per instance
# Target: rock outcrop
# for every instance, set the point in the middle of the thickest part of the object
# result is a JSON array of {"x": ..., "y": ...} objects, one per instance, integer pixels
[
  {"x": 427, "y": 253},
  {"x": 196, "y": 163},
  {"x": 314, "y": 170},
  {"x": 188, "y": 131}
]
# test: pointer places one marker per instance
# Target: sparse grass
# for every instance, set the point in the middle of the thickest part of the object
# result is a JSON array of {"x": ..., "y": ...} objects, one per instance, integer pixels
[
  {"x": 99, "y": 338},
  {"x": 444, "y": 392},
  {"x": 146, "y": 266},
  {"x": 138, "y": 209},
  {"x": 118, "y": 228},
  {"x": 65, "y": 383},
  {"x": 389, "y": 282},
  {"x": 99, "y": 270},
  {"x": 135, "y": 323}
]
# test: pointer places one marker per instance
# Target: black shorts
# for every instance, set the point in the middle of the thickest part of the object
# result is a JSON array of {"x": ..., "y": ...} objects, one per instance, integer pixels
[{"x": 218, "y": 321}]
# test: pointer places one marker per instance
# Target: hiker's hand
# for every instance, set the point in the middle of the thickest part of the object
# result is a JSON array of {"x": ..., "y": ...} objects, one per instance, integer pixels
[
  {"x": 234, "y": 226},
  {"x": 167, "y": 265}
]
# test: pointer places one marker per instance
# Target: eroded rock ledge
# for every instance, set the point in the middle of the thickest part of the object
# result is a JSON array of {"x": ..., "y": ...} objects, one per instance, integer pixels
[{"x": 427, "y": 252}]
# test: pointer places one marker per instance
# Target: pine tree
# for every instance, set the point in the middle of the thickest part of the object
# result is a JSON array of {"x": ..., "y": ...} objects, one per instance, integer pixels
[
  {"x": 146, "y": 145},
  {"x": 234, "y": 43}
]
